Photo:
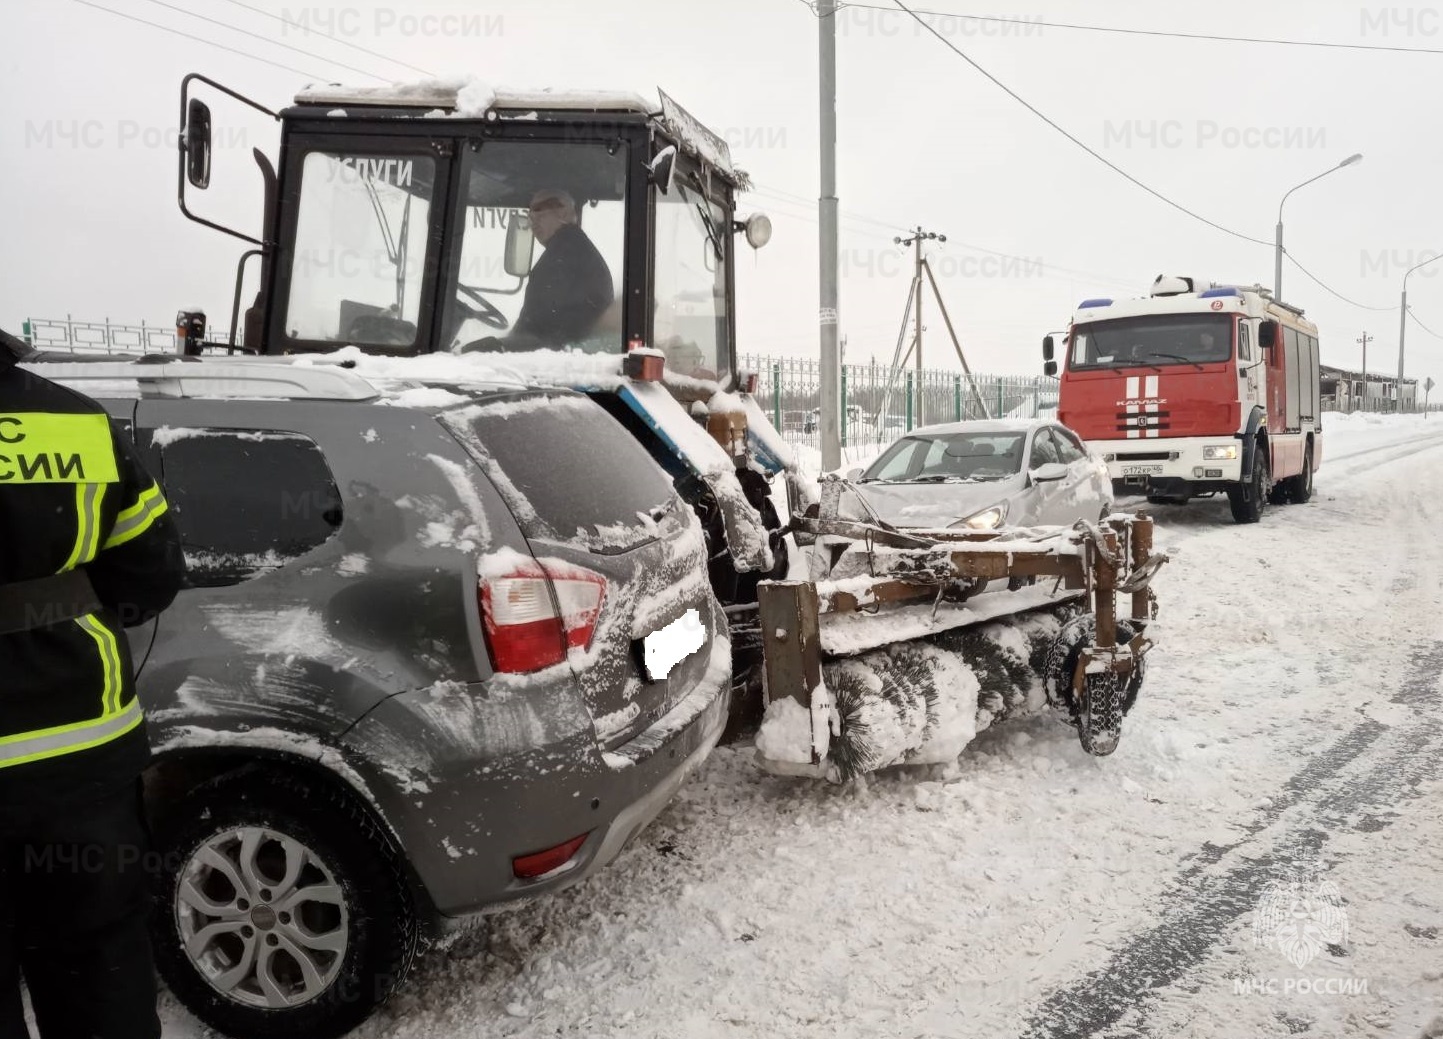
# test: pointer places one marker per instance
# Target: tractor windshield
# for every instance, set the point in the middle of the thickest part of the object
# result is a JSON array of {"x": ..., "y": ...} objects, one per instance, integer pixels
[
  {"x": 542, "y": 248},
  {"x": 690, "y": 323},
  {"x": 357, "y": 267}
]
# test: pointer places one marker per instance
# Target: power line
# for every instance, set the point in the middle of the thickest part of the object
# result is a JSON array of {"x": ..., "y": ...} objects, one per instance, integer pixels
[
  {"x": 200, "y": 39},
  {"x": 334, "y": 39},
  {"x": 1150, "y": 32},
  {"x": 1420, "y": 324},
  {"x": 265, "y": 39},
  {"x": 787, "y": 197},
  {"x": 1096, "y": 155},
  {"x": 1328, "y": 288}
]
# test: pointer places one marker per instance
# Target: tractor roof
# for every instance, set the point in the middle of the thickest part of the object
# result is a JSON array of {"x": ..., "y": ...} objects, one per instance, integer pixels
[{"x": 461, "y": 98}]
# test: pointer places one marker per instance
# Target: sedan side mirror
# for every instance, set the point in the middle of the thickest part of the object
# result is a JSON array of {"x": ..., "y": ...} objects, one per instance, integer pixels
[
  {"x": 1049, "y": 471},
  {"x": 854, "y": 474}
]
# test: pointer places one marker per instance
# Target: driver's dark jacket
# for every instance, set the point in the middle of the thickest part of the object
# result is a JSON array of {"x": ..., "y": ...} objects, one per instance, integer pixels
[
  {"x": 73, "y": 495},
  {"x": 568, "y": 290}
]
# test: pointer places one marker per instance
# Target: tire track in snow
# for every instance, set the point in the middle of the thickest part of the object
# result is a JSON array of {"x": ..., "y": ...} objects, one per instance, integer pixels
[
  {"x": 1210, "y": 905},
  {"x": 1427, "y": 441}
]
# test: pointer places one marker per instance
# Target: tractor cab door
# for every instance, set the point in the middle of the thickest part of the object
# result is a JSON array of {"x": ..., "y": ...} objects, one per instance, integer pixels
[
  {"x": 358, "y": 257},
  {"x": 692, "y": 289}
]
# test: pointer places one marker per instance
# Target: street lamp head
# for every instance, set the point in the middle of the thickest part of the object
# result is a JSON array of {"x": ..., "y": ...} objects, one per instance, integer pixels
[{"x": 1352, "y": 160}]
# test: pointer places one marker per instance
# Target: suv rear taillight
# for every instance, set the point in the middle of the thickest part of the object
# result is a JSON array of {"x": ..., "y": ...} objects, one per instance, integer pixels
[{"x": 536, "y": 611}]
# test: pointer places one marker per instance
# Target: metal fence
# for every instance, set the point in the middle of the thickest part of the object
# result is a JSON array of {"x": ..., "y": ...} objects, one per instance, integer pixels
[
  {"x": 105, "y": 337},
  {"x": 876, "y": 408}
]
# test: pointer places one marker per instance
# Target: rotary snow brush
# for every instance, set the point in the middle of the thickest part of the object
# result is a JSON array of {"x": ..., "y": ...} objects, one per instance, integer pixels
[{"x": 919, "y": 639}]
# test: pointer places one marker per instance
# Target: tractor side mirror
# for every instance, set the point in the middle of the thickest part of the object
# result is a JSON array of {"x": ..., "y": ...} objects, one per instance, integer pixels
[
  {"x": 663, "y": 168},
  {"x": 520, "y": 244},
  {"x": 197, "y": 143},
  {"x": 1049, "y": 368},
  {"x": 1268, "y": 334},
  {"x": 1047, "y": 346}
]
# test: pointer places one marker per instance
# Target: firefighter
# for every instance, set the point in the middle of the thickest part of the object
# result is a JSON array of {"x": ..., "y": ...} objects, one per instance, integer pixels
[{"x": 87, "y": 548}]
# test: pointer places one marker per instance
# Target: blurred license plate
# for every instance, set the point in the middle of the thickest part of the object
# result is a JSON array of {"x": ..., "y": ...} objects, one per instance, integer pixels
[
  {"x": 1141, "y": 470},
  {"x": 662, "y": 650}
]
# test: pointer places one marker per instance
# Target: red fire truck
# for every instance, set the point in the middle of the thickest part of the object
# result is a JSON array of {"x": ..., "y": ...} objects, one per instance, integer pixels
[{"x": 1194, "y": 389}]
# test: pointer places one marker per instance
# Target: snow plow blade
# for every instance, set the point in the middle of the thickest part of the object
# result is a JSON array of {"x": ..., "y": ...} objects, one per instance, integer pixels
[{"x": 944, "y": 632}]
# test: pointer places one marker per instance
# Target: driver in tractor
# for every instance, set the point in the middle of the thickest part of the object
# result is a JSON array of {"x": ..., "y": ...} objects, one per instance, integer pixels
[{"x": 569, "y": 288}]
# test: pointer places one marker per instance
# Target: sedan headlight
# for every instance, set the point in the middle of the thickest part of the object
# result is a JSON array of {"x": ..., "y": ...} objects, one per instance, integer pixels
[
  {"x": 1220, "y": 452},
  {"x": 987, "y": 519}
]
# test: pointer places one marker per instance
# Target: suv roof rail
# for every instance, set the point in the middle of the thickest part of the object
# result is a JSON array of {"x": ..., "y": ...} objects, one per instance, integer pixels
[{"x": 179, "y": 379}]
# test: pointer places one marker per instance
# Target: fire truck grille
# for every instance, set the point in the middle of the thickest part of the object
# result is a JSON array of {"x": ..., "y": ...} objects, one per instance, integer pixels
[
  {"x": 1144, "y": 456},
  {"x": 1128, "y": 422}
]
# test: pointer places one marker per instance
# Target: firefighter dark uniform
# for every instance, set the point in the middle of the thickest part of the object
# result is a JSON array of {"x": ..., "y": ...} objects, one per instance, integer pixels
[{"x": 87, "y": 548}]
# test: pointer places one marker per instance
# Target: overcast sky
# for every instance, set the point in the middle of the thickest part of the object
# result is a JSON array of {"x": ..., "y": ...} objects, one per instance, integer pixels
[{"x": 89, "y": 100}]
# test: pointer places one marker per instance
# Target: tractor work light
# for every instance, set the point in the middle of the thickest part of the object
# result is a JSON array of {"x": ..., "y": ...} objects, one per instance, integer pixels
[{"x": 642, "y": 364}]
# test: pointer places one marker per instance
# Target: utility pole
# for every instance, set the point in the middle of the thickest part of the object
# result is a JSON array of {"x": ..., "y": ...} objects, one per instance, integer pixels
[
  {"x": 915, "y": 239},
  {"x": 914, "y": 299},
  {"x": 1365, "y": 339},
  {"x": 827, "y": 236}
]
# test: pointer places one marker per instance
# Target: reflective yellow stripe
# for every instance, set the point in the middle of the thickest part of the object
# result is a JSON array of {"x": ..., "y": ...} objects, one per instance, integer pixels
[
  {"x": 87, "y": 525},
  {"x": 136, "y": 520},
  {"x": 113, "y": 722},
  {"x": 26, "y": 747},
  {"x": 39, "y": 447},
  {"x": 109, "y": 662}
]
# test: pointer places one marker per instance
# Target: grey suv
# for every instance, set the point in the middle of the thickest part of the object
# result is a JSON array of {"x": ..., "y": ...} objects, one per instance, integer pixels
[{"x": 443, "y": 648}]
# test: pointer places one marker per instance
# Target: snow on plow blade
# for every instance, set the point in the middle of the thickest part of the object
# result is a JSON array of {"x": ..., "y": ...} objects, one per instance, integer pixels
[{"x": 938, "y": 634}]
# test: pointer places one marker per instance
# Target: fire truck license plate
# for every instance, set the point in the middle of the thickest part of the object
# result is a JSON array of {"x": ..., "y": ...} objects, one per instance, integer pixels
[{"x": 1141, "y": 470}]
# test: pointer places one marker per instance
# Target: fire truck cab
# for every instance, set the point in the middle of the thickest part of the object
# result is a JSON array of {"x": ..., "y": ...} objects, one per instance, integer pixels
[{"x": 1197, "y": 388}]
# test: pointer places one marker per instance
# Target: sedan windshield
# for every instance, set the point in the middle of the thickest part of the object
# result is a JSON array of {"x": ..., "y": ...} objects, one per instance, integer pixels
[
  {"x": 1152, "y": 342},
  {"x": 948, "y": 458}
]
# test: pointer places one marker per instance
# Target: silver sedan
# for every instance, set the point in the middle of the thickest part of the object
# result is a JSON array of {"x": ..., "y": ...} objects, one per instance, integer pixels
[{"x": 985, "y": 474}]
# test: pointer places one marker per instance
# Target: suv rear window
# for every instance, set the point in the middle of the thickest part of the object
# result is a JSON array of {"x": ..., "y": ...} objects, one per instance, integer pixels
[
  {"x": 245, "y": 502},
  {"x": 566, "y": 468}
]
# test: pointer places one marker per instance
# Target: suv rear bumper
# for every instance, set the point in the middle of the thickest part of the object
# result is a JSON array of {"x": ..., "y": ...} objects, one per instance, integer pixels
[{"x": 483, "y": 800}]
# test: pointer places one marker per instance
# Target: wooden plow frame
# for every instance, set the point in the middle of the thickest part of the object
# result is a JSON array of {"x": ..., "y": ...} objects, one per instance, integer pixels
[{"x": 1097, "y": 563}]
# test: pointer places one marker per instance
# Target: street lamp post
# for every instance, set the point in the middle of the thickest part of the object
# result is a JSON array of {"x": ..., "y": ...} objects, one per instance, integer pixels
[
  {"x": 1351, "y": 160},
  {"x": 1403, "y": 327}
]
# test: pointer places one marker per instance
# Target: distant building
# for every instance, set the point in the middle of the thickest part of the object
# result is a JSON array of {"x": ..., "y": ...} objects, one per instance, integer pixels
[{"x": 1344, "y": 390}]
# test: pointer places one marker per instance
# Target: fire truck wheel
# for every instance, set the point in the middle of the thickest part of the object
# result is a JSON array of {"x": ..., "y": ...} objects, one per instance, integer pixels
[
  {"x": 1248, "y": 500},
  {"x": 1300, "y": 487}
]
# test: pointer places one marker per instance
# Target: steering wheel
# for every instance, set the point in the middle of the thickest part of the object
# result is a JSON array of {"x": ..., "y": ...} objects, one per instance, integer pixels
[{"x": 484, "y": 311}]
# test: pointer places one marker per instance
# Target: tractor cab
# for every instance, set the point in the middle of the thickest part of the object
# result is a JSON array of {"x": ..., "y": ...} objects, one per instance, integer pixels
[{"x": 447, "y": 217}]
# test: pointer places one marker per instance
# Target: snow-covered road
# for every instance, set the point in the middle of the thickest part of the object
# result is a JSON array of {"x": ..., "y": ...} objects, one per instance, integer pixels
[{"x": 1293, "y": 709}]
